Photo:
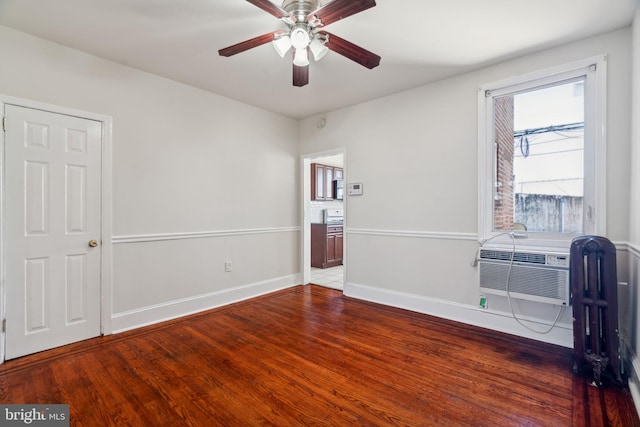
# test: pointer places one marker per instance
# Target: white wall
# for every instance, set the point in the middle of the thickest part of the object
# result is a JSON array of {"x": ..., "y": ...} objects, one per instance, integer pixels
[
  {"x": 197, "y": 179},
  {"x": 412, "y": 236},
  {"x": 634, "y": 228},
  {"x": 634, "y": 222}
]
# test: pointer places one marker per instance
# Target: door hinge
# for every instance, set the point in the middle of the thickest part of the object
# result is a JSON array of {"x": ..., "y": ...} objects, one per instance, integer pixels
[
  {"x": 4, "y": 123},
  {"x": 4, "y": 325}
]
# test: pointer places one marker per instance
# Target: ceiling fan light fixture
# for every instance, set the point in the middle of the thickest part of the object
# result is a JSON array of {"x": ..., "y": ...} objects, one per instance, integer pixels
[
  {"x": 301, "y": 57},
  {"x": 300, "y": 38},
  {"x": 282, "y": 45},
  {"x": 318, "y": 49}
]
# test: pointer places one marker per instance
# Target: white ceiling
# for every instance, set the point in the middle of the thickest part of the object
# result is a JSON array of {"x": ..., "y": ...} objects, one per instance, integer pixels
[{"x": 420, "y": 41}]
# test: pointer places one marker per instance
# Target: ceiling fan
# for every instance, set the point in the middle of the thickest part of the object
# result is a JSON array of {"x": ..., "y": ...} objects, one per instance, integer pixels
[{"x": 305, "y": 21}]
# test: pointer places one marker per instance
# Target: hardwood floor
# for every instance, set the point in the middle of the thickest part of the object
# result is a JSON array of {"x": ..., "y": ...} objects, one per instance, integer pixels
[{"x": 310, "y": 356}]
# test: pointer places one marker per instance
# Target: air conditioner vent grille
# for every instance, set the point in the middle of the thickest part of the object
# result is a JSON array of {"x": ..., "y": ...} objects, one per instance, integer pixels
[
  {"x": 546, "y": 283},
  {"x": 526, "y": 257}
]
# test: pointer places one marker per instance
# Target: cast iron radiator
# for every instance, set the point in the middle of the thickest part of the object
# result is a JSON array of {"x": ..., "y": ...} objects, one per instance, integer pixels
[{"x": 592, "y": 272}]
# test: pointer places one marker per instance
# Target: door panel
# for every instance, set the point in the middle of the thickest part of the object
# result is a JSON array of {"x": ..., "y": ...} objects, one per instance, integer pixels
[
  {"x": 328, "y": 189},
  {"x": 331, "y": 248},
  {"x": 339, "y": 246},
  {"x": 53, "y": 201},
  {"x": 37, "y": 198}
]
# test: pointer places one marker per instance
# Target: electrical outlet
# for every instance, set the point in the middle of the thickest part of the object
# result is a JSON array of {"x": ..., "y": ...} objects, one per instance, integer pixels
[
  {"x": 228, "y": 266},
  {"x": 483, "y": 302}
]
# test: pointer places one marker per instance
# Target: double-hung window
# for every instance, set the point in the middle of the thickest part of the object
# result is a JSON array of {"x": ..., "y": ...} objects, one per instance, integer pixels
[{"x": 542, "y": 154}]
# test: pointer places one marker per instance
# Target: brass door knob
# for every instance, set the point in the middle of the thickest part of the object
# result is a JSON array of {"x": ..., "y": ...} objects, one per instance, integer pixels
[{"x": 93, "y": 243}]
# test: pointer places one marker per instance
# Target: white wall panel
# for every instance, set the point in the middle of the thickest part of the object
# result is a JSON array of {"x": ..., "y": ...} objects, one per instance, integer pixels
[
  {"x": 416, "y": 265},
  {"x": 177, "y": 269}
]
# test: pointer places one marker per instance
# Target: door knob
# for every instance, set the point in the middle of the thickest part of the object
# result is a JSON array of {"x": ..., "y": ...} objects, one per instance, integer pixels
[{"x": 93, "y": 243}]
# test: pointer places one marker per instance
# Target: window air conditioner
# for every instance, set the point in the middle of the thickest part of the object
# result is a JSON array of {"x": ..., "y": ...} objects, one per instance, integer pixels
[{"x": 535, "y": 276}]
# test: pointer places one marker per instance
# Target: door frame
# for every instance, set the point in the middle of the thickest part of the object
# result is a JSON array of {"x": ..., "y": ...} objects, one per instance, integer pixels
[
  {"x": 305, "y": 236},
  {"x": 105, "y": 209}
]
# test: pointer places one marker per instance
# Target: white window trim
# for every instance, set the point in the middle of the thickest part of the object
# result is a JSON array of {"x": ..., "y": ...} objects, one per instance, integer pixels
[{"x": 595, "y": 113}]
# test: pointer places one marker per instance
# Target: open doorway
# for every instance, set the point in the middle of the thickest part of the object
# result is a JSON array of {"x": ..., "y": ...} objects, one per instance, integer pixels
[{"x": 324, "y": 218}]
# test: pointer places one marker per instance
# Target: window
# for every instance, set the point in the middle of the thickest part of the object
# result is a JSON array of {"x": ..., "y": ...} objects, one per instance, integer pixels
[{"x": 542, "y": 154}]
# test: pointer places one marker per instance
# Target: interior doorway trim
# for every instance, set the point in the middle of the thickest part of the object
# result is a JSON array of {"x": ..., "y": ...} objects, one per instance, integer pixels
[
  {"x": 106, "y": 208},
  {"x": 305, "y": 236}
]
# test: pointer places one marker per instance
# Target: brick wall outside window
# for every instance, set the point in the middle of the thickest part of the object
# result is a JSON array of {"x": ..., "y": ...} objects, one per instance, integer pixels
[{"x": 504, "y": 199}]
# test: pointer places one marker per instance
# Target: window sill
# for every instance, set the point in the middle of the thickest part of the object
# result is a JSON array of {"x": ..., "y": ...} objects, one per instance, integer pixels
[{"x": 557, "y": 243}]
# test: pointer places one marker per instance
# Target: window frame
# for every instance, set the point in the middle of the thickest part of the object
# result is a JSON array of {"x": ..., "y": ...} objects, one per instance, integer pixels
[{"x": 595, "y": 150}]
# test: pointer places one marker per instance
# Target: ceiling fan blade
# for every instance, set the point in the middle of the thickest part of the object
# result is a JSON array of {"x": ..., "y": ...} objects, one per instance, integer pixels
[
  {"x": 248, "y": 44},
  {"x": 271, "y": 8},
  {"x": 339, "y": 9},
  {"x": 300, "y": 75},
  {"x": 352, "y": 51}
]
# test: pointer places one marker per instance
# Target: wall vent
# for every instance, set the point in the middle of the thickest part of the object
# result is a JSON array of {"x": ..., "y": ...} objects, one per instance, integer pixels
[{"x": 535, "y": 276}]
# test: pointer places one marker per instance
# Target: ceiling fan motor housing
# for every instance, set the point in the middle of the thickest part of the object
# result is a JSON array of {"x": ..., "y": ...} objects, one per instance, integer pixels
[{"x": 300, "y": 8}]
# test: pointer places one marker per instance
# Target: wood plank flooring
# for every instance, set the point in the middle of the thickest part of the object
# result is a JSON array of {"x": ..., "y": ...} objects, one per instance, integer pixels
[{"x": 310, "y": 356}]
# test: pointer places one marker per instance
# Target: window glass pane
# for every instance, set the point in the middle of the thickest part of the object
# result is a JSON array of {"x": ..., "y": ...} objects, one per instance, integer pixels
[{"x": 539, "y": 168}]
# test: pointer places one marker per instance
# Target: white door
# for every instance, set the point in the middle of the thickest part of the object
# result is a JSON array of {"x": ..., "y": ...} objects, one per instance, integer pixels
[{"x": 52, "y": 240}]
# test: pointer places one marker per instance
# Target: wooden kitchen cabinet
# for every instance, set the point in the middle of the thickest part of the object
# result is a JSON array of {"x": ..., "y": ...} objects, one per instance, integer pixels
[
  {"x": 326, "y": 245},
  {"x": 338, "y": 173},
  {"x": 318, "y": 181},
  {"x": 322, "y": 177}
]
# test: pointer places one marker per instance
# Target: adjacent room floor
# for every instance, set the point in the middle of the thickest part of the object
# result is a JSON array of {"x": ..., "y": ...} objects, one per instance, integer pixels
[{"x": 328, "y": 277}]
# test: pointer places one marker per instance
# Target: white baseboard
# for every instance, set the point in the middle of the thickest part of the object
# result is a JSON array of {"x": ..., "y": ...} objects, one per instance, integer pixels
[
  {"x": 561, "y": 334},
  {"x": 145, "y": 316},
  {"x": 634, "y": 379}
]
